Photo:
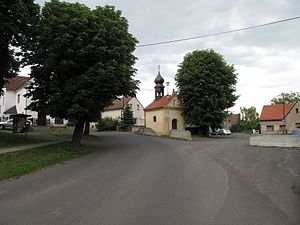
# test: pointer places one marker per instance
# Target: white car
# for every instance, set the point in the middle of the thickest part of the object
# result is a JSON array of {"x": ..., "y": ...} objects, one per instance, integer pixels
[
  {"x": 225, "y": 131},
  {"x": 8, "y": 124}
]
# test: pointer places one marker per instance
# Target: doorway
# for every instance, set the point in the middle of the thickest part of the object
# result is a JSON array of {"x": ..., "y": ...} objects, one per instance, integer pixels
[{"x": 174, "y": 124}]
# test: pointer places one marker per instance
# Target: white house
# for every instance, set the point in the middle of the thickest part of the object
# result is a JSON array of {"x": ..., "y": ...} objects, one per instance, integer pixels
[
  {"x": 12, "y": 101},
  {"x": 115, "y": 110}
]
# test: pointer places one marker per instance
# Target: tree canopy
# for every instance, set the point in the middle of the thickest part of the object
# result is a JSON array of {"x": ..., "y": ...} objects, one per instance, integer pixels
[
  {"x": 250, "y": 118},
  {"x": 285, "y": 98},
  {"x": 17, "y": 21},
  {"x": 127, "y": 117},
  {"x": 82, "y": 60},
  {"x": 206, "y": 85}
]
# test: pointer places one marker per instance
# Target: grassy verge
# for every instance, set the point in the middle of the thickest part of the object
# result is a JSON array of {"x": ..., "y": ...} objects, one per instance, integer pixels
[
  {"x": 22, "y": 162},
  {"x": 9, "y": 139}
]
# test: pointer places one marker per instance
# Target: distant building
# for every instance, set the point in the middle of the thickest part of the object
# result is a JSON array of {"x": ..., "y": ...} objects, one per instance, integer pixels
[
  {"x": 12, "y": 101},
  {"x": 115, "y": 110},
  {"x": 278, "y": 119},
  {"x": 165, "y": 112},
  {"x": 231, "y": 120}
]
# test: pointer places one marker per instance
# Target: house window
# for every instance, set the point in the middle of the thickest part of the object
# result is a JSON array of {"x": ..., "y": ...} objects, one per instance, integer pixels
[
  {"x": 19, "y": 98},
  {"x": 137, "y": 107},
  {"x": 297, "y": 125},
  {"x": 297, "y": 110},
  {"x": 3, "y": 101},
  {"x": 154, "y": 118},
  {"x": 270, "y": 128},
  {"x": 282, "y": 128}
]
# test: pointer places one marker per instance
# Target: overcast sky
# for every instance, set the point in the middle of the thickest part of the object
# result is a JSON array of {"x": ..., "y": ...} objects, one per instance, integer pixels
[{"x": 267, "y": 59}]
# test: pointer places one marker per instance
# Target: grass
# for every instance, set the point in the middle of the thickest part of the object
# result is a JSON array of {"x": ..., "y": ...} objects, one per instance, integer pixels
[
  {"x": 15, "y": 164},
  {"x": 10, "y": 140}
]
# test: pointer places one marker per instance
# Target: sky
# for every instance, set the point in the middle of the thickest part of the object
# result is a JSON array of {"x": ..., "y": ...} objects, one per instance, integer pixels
[{"x": 267, "y": 60}]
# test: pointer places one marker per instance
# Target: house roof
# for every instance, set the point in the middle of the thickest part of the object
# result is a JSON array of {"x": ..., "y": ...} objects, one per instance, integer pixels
[
  {"x": 12, "y": 110},
  {"x": 118, "y": 104},
  {"x": 159, "y": 103},
  {"x": 16, "y": 83},
  {"x": 275, "y": 112}
]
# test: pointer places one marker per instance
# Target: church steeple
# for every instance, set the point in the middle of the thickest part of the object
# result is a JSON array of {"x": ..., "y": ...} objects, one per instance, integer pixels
[{"x": 159, "y": 87}]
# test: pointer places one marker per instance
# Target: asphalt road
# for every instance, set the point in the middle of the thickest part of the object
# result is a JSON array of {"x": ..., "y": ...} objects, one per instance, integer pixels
[{"x": 140, "y": 180}]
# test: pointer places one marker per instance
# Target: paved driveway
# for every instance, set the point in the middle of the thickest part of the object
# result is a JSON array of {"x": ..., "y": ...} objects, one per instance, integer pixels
[{"x": 136, "y": 180}]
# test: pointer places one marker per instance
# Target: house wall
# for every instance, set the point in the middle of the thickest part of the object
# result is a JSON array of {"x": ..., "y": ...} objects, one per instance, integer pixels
[
  {"x": 175, "y": 114},
  {"x": 293, "y": 118},
  {"x": 276, "y": 124},
  {"x": 116, "y": 114},
  {"x": 23, "y": 103},
  {"x": 138, "y": 111},
  {"x": 160, "y": 125}
]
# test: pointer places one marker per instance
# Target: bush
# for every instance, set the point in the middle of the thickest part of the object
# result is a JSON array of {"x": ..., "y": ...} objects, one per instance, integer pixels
[{"x": 107, "y": 124}]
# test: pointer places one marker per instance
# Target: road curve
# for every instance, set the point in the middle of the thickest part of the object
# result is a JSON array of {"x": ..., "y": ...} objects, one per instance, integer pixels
[{"x": 137, "y": 180}]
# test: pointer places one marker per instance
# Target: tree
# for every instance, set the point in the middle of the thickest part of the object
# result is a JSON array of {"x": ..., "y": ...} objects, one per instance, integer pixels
[
  {"x": 285, "y": 98},
  {"x": 250, "y": 118},
  {"x": 206, "y": 85},
  {"x": 127, "y": 117},
  {"x": 17, "y": 23},
  {"x": 85, "y": 58}
]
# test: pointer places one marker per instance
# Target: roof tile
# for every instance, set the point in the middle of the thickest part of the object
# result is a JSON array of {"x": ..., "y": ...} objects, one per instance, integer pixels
[{"x": 275, "y": 112}]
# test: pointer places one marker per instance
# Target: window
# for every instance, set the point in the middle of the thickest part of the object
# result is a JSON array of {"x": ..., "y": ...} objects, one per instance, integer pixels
[
  {"x": 297, "y": 110},
  {"x": 282, "y": 128},
  {"x": 154, "y": 118},
  {"x": 130, "y": 106},
  {"x": 137, "y": 107},
  {"x": 174, "y": 102},
  {"x": 297, "y": 125},
  {"x": 19, "y": 98},
  {"x": 270, "y": 128},
  {"x": 3, "y": 101}
]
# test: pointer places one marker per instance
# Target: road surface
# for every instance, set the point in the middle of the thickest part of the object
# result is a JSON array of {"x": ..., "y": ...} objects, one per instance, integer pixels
[{"x": 140, "y": 180}]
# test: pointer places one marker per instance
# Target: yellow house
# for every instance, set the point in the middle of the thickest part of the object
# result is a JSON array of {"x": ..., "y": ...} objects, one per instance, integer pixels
[{"x": 164, "y": 113}]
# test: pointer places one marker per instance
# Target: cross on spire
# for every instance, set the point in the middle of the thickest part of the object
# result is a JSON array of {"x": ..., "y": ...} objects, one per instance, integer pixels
[{"x": 158, "y": 68}]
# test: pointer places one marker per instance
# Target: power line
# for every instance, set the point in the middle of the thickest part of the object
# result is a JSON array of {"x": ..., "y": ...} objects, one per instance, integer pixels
[{"x": 218, "y": 33}]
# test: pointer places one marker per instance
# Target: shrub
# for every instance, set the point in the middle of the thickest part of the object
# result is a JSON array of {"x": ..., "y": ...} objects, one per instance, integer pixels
[{"x": 107, "y": 124}]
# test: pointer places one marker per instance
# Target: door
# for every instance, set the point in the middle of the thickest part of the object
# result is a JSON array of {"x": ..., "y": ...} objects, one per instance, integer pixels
[{"x": 174, "y": 124}]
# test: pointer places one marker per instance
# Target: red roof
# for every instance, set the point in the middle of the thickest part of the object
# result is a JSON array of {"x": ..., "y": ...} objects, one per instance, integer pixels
[
  {"x": 275, "y": 112},
  {"x": 16, "y": 83},
  {"x": 118, "y": 104},
  {"x": 158, "y": 103}
]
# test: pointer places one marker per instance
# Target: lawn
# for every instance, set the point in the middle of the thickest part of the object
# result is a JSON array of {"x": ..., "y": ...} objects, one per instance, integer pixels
[
  {"x": 18, "y": 163},
  {"x": 8, "y": 139}
]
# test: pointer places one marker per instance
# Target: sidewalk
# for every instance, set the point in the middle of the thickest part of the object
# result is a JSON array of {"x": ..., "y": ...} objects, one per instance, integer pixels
[{"x": 24, "y": 147}]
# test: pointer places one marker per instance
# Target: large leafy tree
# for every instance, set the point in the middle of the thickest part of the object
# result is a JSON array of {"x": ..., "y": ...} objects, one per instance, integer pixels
[
  {"x": 285, "y": 98},
  {"x": 82, "y": 61},
  {"x": 250, "y": 118},
  {"x": 206, "y": 85},
  {"x": 17, "y": 23}
]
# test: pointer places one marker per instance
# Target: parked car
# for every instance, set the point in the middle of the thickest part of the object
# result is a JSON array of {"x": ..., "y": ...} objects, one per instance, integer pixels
[
  {"x": 225, "y": 131},
  {"x": 8, "y": 124}
]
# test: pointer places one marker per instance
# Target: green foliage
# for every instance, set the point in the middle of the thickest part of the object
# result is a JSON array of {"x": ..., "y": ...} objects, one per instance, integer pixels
[
  {"x": 82, "y": 61},
  {"x": 127, "y": 117},
  {"x": 206, "y": 86},
  {"x": 285, "y": 98},
  {"x": 18, "y": 163},
  {"x": 250, "y": 118},
  {"x": 17, "y": 22},
  {"x": 107, "y": 124}
]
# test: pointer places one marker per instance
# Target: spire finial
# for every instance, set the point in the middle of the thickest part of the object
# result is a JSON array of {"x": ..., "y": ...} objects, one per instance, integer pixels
[{"x": 158, "y": 68}]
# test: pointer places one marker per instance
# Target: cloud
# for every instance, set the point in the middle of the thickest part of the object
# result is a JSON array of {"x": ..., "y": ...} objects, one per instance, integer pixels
[{"x": 266, "y": 59}]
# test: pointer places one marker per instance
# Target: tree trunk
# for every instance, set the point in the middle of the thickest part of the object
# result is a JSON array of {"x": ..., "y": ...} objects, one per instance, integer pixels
[
  {"x": 87, "y": 128},
  {"x": 77, "y": 133},
  {"x": 42, "y": 121}
]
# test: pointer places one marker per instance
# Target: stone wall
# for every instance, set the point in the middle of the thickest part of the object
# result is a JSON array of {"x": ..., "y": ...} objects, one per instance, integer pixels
[{"x": 275, "y": 140}]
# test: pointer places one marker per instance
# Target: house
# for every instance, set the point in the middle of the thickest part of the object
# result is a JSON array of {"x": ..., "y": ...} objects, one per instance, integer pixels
[
  {"x": 231, "y": 120},
  {"x": 292, "y": 119},
  {"x": 273, "y": 118},
  {"x": 12, "y": 101},
  {"x": 164, "y": 113},
  {"x": 115, "y": 110}
]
